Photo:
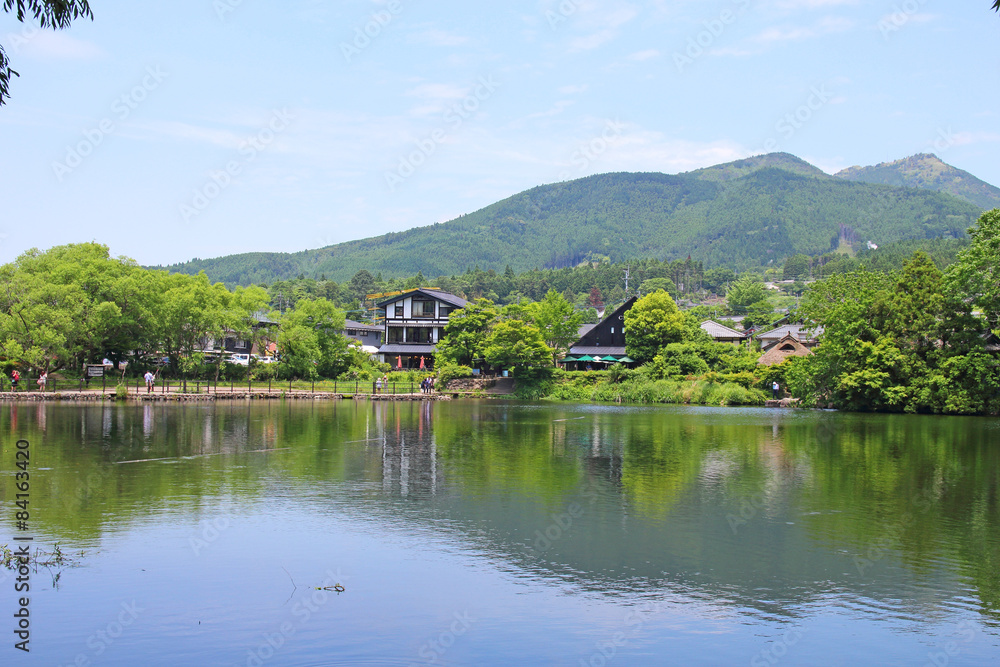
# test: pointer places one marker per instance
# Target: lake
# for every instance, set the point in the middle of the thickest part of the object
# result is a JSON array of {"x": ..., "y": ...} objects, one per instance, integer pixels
[{"x": 501, "y": 533}]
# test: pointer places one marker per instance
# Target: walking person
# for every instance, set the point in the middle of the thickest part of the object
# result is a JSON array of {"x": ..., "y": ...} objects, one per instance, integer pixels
[
  {"x": 774, "y": 389},
  {"x": 15, "y": 377},
  {"x": 378, "y": 385},
  {"x": 149, "y": 377},
  {"x": 42, "y": 379}
]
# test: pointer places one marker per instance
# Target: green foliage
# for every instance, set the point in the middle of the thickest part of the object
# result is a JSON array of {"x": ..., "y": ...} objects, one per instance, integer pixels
[
  {"x": 929, "y": 172},
  {"x": 448, "y": 372},
  {"x": 557, "y": 321},
  {"x": 901, "y": 342},
  {"x": 466, "y": 333},
  {"x": 517, "y": 345},
  {"x": 654, "y": 284},
  {"x": 746, "y": 293},
  {"x": 653, "y": 322},
  {"x": 311, "y": 341},
  {"x": 60, "y": 306},
  {"x": 977, "y": 271},
  {"x": 797, "y": 266}
]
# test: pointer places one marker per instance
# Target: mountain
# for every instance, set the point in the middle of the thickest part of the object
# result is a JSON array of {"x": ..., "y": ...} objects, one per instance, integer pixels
[
  {"x": 928, "y": 172},
  {"x": 733, "y": 170},
  {"x": 741, "y": 214}
]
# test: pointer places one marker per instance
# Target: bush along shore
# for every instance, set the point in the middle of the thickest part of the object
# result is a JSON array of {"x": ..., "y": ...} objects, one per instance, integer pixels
[{"x": 635, "y": 386}]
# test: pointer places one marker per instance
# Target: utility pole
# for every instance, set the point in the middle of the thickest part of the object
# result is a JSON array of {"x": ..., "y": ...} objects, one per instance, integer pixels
[{"x": 628, "y": 274}]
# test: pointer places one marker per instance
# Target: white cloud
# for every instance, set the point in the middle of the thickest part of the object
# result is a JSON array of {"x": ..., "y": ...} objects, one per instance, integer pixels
[
  {"x": 52, "y": 44},
  {"x": 436, "y": 37},
  {"x": 644, "y": 55},
  {"x": 572, "y": 90}
]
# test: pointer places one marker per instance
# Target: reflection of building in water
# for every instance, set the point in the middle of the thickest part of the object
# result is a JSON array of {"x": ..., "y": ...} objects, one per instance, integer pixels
[
  {"x": 147, "y": 420},
  {"x": 404, "y": 433},
  {"x": 40, "y": 411}
]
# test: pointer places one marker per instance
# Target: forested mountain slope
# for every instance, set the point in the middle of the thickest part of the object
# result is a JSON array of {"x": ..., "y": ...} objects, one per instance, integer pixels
[
  {"x": 930, "y": 173},
  {"x": 743, "y": 214}
]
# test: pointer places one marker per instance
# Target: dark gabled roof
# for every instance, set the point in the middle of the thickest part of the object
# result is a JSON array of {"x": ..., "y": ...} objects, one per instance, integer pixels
[
  {"x": 590, "y": 334},
  {"x": 450, "y": 299},
  {"x": 351, "y": 324}
]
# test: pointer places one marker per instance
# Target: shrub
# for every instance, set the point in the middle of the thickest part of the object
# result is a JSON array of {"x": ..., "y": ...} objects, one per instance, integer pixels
[{"x": 448, "y": 372}]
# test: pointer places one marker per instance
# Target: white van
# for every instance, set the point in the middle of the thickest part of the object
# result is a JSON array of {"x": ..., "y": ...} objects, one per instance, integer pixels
[{"x": 239, "y": 359}]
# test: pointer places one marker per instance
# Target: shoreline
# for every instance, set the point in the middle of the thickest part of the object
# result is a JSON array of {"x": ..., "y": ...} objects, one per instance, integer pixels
[{"x": 92, "y": 396}]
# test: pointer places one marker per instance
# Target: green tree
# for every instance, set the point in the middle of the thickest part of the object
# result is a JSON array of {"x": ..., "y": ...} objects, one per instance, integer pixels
[
  {"x": 517, "y": 345},
  {"x": 796, "y": 267},
  {"x": 651, "y": 285},
  {"x": 651, "y": 323},
  {"x": 466, "y": 332},
  {"x": 976, "y": 273},
  {"x": 191, "y": 314},
  {"x": 557, "y": 320},
  {"x": 55, "y": 14},
  {"x": 311, "y": 341},
  {"x": 747, "y": 291},
  {"x": 66, "y": 305}
]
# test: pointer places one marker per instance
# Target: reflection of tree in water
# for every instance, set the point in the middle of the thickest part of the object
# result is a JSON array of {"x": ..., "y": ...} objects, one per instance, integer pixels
[{"x": 655, "y": 487}]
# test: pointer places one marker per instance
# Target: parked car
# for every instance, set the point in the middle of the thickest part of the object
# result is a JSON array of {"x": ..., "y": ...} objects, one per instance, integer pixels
[{"x": 239, "y": 359}]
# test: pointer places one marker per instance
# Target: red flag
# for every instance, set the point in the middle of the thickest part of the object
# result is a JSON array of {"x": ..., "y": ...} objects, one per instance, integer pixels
[
  {"x": 421, "y": 361},
  {"x": 399, "y": 361}
]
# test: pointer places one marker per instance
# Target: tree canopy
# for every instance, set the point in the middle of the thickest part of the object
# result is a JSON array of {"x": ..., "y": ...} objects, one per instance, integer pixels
[{"x": 652, "y": 323}]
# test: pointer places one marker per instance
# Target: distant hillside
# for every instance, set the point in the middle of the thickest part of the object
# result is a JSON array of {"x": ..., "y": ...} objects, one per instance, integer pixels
[
  {"x": 928, "y": 172},
  {"x": 740, "y": 168},
  {"x": 742, "y": 214}
]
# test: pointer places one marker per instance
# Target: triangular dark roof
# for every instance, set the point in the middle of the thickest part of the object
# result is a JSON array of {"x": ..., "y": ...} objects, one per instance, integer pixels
[{"x": 424, "y": 291}]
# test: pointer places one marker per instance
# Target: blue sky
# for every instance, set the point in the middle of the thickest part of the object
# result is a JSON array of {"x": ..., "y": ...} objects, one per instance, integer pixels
[{"x": 199, "y": 128}]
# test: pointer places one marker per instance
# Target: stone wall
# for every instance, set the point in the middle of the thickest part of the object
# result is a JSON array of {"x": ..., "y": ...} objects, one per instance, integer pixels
[{"x": 471, "y": 384}]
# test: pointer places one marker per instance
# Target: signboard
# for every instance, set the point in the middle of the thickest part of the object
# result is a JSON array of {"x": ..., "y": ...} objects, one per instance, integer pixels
[{"x": 95, "y": 371}]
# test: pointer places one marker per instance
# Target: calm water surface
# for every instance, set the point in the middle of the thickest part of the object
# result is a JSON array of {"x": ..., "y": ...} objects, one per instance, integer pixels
[{"x": 504, "y": 533}]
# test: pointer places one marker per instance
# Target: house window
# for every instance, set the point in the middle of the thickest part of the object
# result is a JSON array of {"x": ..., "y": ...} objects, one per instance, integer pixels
[
  {"x": 612, "y": 329},
  {"x": 395, "y": 334},
  {"x": 423, "y": 309},
  {"x": 444, "y": 311},
  {"x": 352, "y": 332},
  {"x": 241, "y": 344},
  {"x": 418, "y": 334},
  {"x": 398, "y": 311}
]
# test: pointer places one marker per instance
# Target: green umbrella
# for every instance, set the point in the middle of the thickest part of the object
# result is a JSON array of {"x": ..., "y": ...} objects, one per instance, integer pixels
[
  {"x": 611, "y": 359},
  {"x": 626, "y": 360},
  {"x": 586, "y": 357},
  {"x": 569, "y": 358}
]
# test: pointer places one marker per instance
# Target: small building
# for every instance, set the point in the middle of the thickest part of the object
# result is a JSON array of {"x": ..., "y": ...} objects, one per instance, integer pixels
[
  {"x": 414, "y": 324},
  {"x": 723, "y": 334},
  {"x": 786, "y": 347},
  {"x": 231, "y": 343},
  {"x": 603, "y": 343},
  {"x": 808, "y": 336},
  {"x": 368, "y": 335}
]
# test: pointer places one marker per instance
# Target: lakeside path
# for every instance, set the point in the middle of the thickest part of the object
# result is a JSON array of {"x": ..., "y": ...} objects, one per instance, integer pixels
[{"x": 222, "y": 394}]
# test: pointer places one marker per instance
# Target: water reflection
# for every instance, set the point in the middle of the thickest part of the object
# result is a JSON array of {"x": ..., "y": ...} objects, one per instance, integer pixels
[{"x": 772, "y": 516}]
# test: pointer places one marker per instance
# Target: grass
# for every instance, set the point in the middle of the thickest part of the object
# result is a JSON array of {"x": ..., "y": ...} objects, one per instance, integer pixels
[{"x": 674, "y": 391}]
